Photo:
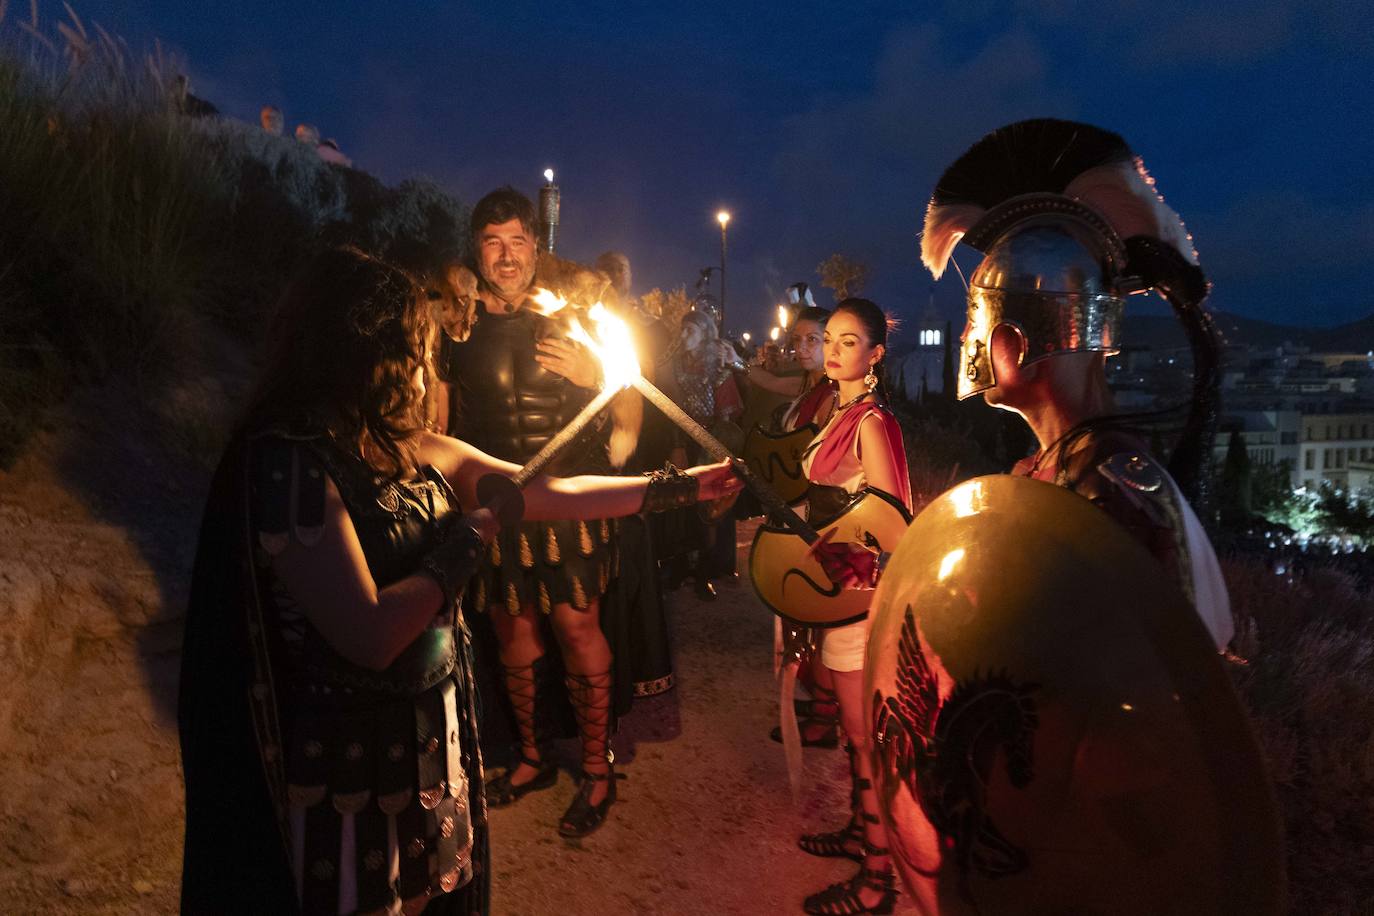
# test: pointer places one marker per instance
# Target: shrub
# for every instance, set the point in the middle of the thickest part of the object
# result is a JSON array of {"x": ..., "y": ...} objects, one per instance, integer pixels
[
  {"x": 125, "y": 225},
  {"x": 1306, "y": 673}
]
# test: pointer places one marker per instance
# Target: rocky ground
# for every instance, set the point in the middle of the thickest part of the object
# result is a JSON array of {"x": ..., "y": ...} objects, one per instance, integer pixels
[{"x": 97, "y": 535}]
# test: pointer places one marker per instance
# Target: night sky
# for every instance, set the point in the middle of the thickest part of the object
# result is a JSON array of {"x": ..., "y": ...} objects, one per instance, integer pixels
[{"x": 823, "y": 126}]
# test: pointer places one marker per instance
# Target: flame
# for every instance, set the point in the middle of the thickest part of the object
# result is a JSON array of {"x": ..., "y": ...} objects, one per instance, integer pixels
[
  {"x": 546, "y": 301},
  {"x": 773, "y": 334},
  {"x": 609, "y": 340},
  {"x": 783, "y": 316},
  {"x": 611, "y": 343}
]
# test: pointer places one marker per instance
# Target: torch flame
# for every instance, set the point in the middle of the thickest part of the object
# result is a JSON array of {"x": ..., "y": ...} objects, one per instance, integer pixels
[
  {"x": 773, "y": 334},
  {"x": 546, "y": 301},
  {"x": 783, "y": 316},
  {"x": 612, "y": 344},
  {"x": 610, "y": 340}
]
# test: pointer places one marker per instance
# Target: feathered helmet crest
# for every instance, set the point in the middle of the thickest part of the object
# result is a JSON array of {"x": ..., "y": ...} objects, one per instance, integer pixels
[{"x": 1069, "y": 223}]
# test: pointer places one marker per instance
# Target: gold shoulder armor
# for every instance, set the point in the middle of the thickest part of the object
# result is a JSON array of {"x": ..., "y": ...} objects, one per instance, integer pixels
[{"x": 1134, "y": 471}]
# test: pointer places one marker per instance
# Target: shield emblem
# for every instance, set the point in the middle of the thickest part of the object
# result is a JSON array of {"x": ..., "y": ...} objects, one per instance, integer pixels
[
  {"x": 1053, "y": 729},
  {"x": 776, "y": 459}
]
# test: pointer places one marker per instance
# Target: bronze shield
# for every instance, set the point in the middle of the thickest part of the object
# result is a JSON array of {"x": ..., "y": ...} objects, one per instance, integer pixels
[
  {"x": 796, "y": 588},
  {"x": 1054, "y": 731},
  {"x": 776, "y": 459}
]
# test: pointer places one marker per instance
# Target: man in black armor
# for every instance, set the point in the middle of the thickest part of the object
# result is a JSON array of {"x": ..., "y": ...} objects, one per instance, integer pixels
[{"x": 512, "y": 385}]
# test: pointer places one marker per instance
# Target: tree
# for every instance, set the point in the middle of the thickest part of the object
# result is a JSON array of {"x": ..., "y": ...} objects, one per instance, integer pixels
[
  {"x": 843, "y": 274},
  {"x": 1235, "y": 482}
]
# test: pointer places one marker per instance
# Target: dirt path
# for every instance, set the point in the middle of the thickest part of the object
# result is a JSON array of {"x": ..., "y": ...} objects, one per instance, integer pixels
[{"x": 705, "y": 822}]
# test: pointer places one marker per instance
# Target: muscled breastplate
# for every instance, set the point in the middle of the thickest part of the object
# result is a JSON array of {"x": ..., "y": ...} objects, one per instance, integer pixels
[{"x": 508, "y": 405}]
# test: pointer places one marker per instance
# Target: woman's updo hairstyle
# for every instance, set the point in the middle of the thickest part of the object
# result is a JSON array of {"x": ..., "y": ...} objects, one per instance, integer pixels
[
  {"x": 875, "y": 321},
  {"x": 813, "y": 313}
]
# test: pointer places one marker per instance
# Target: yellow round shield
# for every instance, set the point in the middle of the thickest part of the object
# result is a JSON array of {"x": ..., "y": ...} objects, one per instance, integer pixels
[{"x": 1053, "y": 729}]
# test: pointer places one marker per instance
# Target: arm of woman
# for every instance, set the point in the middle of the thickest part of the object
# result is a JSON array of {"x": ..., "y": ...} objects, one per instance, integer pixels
[
  {"x": 548, "y": 498},
  {"x": 333, "y": 587},
  {"x": 790, "y": 385},
  {"x": 875, "y": 454}
]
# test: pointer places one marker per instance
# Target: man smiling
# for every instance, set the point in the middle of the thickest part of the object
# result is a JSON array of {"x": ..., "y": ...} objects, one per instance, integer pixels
[{"x": 513, "y": 384}]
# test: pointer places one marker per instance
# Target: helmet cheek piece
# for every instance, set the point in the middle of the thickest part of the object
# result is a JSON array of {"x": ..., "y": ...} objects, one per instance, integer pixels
[{"x": 1050, "y": 274}]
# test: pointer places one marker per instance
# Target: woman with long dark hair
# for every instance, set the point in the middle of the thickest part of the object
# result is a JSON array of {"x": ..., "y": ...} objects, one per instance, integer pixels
[
  {"x": 327, "y": 716},
  {"x": 859, "y": 448}
]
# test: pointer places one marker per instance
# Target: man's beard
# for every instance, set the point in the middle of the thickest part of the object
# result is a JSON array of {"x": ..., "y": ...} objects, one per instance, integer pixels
[{"x": 514, "y": 289}]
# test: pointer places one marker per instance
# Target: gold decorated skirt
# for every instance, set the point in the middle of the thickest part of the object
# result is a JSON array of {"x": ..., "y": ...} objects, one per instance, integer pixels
[{"x": 540, "y": 564}]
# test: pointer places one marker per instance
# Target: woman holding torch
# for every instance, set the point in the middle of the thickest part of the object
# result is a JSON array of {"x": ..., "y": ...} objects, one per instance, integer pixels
[{"x": 328, "y": 727}]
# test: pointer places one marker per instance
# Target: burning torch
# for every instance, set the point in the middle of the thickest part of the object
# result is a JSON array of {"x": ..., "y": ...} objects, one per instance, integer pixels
[{"x": 614, "y": 347}]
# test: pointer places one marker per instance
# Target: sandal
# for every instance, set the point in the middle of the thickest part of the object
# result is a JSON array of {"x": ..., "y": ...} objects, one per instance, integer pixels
[
  {"x": 582, "y": 817},
  {"x": 845, "y": 843},
  {"x": 500, "y": 791},
  {"x": 591, "y": 701},
  {"x": 521, "y": 683},
  {"x": 806, "y": 709},
  {"x": 842, "y": 898},
  {"x": 827, "y": 737}
]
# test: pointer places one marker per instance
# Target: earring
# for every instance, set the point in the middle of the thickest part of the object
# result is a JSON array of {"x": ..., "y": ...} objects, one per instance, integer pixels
[{"x": 870, "y": 380}]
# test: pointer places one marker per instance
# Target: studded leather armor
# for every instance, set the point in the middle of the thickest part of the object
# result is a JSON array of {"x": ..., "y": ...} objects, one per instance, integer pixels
[
  {"x": 394, "y": 750},
  {"x": 507, "y": 404}
]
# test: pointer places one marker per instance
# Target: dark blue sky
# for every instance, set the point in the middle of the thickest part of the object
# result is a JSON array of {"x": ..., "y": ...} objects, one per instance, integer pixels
[{"x": 823, "y": 126}]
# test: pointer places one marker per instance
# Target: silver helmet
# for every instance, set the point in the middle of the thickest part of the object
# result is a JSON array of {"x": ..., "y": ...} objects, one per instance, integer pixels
[
  {"x": 1049, "y": 204},
  {"x": 1053, "y": 276}
]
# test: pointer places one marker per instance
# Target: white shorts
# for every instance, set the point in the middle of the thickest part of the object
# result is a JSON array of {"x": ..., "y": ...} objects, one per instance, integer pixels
[{"x": 842, "y": 648}]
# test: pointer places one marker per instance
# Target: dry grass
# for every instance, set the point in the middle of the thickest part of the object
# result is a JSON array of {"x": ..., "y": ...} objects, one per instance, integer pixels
[
  {"x": 132, "y": 236},
  {"x": 1308, "y": 680}
]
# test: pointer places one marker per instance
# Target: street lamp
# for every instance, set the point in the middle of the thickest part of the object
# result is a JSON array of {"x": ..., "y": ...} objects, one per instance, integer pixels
[{"x": 723, "y": 217}]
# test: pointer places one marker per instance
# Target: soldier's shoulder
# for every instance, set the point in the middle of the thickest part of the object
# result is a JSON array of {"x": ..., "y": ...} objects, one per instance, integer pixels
[{"x": 1117, "y": 472}]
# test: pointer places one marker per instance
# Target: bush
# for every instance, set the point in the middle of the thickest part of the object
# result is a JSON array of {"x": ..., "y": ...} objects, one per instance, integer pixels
[
  {"x": 1306, "y": 673},
  {"x": 128, "y": 230}
]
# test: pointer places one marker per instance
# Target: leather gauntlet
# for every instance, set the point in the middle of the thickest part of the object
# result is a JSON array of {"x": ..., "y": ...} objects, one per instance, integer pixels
[
  {"x": 454, "y": 560},
  {"x": 669, "y": 489}
]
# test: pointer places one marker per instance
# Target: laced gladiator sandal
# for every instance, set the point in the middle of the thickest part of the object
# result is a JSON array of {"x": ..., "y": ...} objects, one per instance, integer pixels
[
  {"x": 845, "y": 843},
  {"x": 500, "y": 791},
  {"x": 842, "y": 898},
  {"x": 807, "y": 709},
  {"x": 842, "y": 843},
  {"x": 818, "y": 729},
  {"x": 591, "y": 699}
]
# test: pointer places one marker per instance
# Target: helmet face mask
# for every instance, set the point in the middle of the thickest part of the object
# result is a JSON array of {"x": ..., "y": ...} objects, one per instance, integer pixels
[{"x": 1051, "y": 280}]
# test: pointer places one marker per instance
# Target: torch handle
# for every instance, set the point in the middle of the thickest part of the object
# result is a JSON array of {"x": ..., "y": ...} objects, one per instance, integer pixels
[
  {"x": 777, "y": 509},
  {"x": 563, "y": 438}
]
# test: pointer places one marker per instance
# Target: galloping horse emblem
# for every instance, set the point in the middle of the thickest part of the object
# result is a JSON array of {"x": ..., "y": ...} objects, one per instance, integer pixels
[{"x": 943, "y": 752}]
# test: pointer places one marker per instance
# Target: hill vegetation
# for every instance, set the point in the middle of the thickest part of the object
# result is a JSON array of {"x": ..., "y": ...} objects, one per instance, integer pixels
[{"x": 133, "y": 235}]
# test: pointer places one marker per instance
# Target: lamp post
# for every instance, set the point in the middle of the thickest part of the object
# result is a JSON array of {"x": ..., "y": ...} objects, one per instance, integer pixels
[{"x": 723, "y": 217}]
